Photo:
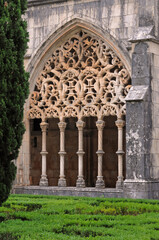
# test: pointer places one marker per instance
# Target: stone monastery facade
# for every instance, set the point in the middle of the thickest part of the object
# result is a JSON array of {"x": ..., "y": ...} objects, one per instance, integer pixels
[{"x": 92, "y": 117}]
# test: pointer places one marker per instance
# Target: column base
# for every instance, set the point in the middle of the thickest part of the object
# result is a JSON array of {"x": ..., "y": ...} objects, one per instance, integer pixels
[
  {"x": 119, "y": 183},
  {"x": 80, "y": 183},
  {"x": 43, "y": 181},
  {"x": 100, "y": 182},
  {"x": 62, "y": 182}
]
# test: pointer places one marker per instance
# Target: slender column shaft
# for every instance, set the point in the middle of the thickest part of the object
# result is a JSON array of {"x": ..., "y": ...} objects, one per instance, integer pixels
[
  {"x": 62, "y": 180},
  {"x": 100, "y": 159},
  {"x": 100, "y": 136},
  {"x": 100, "y": 182},
  {"x": 44, "y": 139},
  {"x": 43, "y": 164},
  {"x": 62, "y": 139},
  {"x": 80, "y": 181},
  {"x": 43, "y": 179},
  {"x": 80, "y": 138},
  {"x": 62, "y": 159},
  {"x": 80, "y": 165},
  {"x": 120, "y": 124}
]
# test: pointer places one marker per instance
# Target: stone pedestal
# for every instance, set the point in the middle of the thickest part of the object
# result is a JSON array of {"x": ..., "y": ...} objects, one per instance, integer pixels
[
  {"x": 100, "y": 182},
  {"x": 43, "y": 180},
  {"x": 119, "y": 183},
  {"x": 62, "y": 182},
  {"x": 141, "y": 189},
  {"x": 80, "y": 182}
]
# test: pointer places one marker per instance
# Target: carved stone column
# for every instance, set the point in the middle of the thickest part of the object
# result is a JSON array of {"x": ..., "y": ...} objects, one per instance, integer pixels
[
  {"x": 43, "y": 179},
  {"x": 100, "y": 182},
  {"x": 120, "y": 124},
  {"x": 80, "y": 181},
  {"x": 62, "y": 180}
]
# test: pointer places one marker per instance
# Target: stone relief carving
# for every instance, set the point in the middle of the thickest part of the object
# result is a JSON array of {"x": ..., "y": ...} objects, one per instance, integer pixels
[{"x": 83, "y": 78}]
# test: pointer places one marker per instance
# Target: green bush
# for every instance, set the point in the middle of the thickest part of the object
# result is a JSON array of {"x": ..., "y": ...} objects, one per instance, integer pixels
[
  {"x": 25, "y": 217},
  {"x": 13, "y": 88}
]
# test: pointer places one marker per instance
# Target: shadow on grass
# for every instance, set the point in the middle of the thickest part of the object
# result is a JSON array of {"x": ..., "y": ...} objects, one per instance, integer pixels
[{"x": 8, "y": 236}]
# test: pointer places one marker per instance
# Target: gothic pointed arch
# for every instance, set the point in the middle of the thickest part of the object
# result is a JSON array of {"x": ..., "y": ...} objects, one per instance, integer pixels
[
  {"x": 82, "y": 77},
  {"x": 60, "y": 33}
]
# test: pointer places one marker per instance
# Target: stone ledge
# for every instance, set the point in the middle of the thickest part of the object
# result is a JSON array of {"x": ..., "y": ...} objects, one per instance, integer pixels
[
  {"x": 137, "y": 188},
  {"x": 32, "y": 3},
  {"x": 143, "y": 34},
  {"x": 69, "y": 191}
]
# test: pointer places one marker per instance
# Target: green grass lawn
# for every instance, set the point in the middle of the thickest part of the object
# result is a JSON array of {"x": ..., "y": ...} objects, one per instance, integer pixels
[{"x": 53, "y": 217}]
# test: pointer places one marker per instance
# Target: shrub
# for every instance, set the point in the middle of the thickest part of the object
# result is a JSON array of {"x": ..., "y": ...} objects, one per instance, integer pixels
[
  {"x": 56, "y": 218},
  {"x": 13, "y": 88}
]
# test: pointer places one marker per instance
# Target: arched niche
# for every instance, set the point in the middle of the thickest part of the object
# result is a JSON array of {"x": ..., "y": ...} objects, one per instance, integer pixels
[{"x": 44, "y": 54}]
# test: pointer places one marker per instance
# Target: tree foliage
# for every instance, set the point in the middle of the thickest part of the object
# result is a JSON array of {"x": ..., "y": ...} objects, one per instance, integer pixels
[{"x": 13, "y": 88}]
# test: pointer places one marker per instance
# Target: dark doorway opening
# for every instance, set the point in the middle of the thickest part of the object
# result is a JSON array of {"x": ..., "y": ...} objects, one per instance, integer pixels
[{"x": 90, "y": 142}]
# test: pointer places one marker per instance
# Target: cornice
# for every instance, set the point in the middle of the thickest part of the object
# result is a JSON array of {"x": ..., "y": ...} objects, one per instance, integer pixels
[{"x": 32, "y": 3}]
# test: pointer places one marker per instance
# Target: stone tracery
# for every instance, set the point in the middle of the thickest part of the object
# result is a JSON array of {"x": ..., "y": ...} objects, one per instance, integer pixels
[{"x": 83, "y": 78}]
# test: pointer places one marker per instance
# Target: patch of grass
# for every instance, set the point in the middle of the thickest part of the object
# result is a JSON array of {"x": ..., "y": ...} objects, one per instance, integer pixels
[{"x": 26, "y": 217}]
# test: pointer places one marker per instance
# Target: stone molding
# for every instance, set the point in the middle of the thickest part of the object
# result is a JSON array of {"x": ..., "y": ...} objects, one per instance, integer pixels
[{"x": 32, "y": 3}]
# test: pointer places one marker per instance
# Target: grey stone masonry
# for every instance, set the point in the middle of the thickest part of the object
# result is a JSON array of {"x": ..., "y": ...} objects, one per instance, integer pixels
[
  {"x": 70, "y": 191},
  {"x": 119, "y": 18},
  {"x": 141, "y": 65},
  {"x": 139, "y": 181},
  {"x": 138, "y": 121},
  {"x": 138, "y": 138}
]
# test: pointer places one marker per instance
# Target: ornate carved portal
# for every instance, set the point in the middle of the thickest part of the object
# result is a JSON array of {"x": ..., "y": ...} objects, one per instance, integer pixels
[{"x": 83, "y": 78}]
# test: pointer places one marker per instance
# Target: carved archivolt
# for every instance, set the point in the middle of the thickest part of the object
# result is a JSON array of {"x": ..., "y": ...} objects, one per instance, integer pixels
[{"x": 84, "y": 77}]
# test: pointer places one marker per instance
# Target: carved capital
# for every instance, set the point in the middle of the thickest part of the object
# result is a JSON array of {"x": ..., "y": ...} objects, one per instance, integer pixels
[
  {"x": 120, "y": 123},
  {"x": 44, "y": 126},
  {"x": 100, "y": 124},
  {"x": 62, "y": 126},
  {"x": 80, "y": 125}
]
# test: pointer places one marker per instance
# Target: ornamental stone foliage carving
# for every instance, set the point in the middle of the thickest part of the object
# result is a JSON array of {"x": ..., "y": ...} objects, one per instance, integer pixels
[{"x": 84, "y": 77}]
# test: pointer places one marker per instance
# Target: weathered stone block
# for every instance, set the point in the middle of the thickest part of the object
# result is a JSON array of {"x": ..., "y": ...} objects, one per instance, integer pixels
[
  {"x": 141, "y": 189},
  {"x": 140, "y": 65}
]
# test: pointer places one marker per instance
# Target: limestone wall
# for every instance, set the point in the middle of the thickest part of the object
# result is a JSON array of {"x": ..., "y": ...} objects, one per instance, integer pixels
[
  {"x": 119, "y": 17},
  {"x": 154, "y": 53}
]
